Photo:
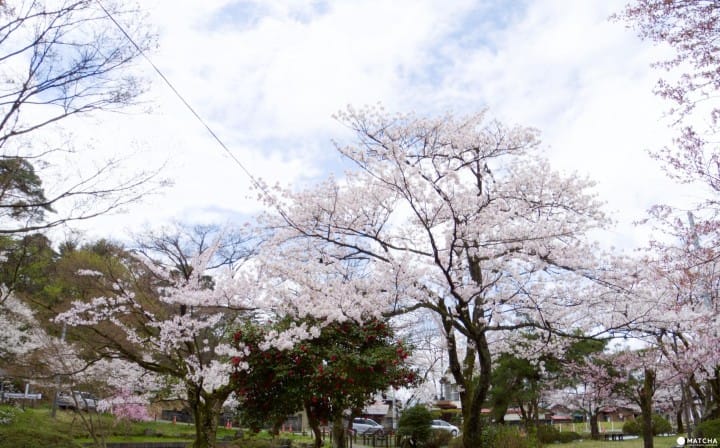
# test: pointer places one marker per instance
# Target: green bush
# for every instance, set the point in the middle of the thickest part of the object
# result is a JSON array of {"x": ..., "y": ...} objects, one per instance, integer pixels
[
  {"x": 632, "y": 427},
  {"x": 502, "y": 436},
  {"x": 709, "y": 429},
  {"x": 659, "y": 424},
  {"x": 569, "y": 436},
  {"x": 547, "y": 434},
  {"x": 24, "y": 438},
  {"x": 416, "y": 422}
]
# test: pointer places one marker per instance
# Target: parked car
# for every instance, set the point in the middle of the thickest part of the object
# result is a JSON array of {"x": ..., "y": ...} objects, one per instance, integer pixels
[
  {"x": 366, "y": 426},
  {"x": 77, "y": 400},
  {"x": 442, "y": 425}
]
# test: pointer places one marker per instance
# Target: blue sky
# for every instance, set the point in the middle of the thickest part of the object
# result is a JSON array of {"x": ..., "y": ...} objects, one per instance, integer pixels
[{"x": 268, "y": 75}]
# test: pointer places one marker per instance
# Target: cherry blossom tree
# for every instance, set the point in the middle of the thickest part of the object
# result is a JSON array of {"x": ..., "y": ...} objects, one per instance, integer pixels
[
  {"x": 585, "y": 379},
  {"x": 687, "y": 248},
  {"x": 685, "y": 331},
  {"x": 172, "y": 309},
  {"x": 21, "y": 333},
  {"x": 594, "y": 388},
  {"x": 176, "y": 324},
  {"x": 124, "y": 385},
  {"x": 691, "y": 29},
  {"x": 461, "y": 217},
  {"x": 643, "y": 376},
  {"x": 127, "y": 405},
  {"x": 23, "y": 268}
]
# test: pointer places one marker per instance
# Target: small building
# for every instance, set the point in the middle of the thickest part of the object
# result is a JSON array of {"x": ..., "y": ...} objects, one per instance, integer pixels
[
  {"x": 513, "y": 416},
  {"x": 564, "y": 414},
  {"x": 617, "y": 414}
]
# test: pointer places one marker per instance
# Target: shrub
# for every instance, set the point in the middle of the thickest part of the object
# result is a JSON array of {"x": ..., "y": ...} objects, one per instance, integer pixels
[
  {"x": 502, "y": 436},
  {"x": 632, "y": 427},
  {"x": 416, "y": 422},
  {"x": 659, "y": 424},
  {"x": 567, "y": 437},
  {"x": 547, "y": 434},
  {"x": 709, "y": 429}
]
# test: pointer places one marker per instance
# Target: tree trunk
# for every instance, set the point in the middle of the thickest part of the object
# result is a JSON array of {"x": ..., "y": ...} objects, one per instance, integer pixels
[
  {"x": 472, "y": 430},
  {"x": 536, "y": 412},
  {"x": 712, "y": 411},
  {"x": 594, "y": 428},
  {"x": 338, "y": 430},
  {"x": 206, "y": 410},
  {"x": 497, "y": 413},
  {"x": 645, "y": 394},
  {"x": 314, "y": 424},
  {"x": 679, "y": 421},
  {"x": 473, "y": 399}
]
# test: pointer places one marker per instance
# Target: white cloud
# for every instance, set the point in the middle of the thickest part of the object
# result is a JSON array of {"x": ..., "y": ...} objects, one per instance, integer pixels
[
  {"x": 268, "y": 75},
  {"x": 586, "y": 83}
]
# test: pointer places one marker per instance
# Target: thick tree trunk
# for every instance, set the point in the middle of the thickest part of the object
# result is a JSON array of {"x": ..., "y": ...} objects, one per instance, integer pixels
[
  {"x": 472, "y": 429},
  {"x": 206, "y": 410},
  {"x": 594, "y": 428},
  {"x": 475, "y": 395},
  {"x": 338, "y": 430},
  {"x": 646, "y": 394},
  {"x": 474, "y": 387}
]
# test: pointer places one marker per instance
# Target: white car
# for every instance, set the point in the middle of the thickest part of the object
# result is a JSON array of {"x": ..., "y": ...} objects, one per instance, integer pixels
[
  {"x": 442, "y": 425},
  {"x": 77, "y": 400},
  {"x": 366, "y": 426}
]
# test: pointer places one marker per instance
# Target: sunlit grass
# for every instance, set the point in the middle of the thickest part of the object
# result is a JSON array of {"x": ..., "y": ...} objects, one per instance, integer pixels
[
  {"x": 75, "y": 426},
  {"x": 658, "y": 442}
]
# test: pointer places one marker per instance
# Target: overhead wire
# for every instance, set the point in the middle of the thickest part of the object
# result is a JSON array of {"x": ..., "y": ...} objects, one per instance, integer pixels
[{"x": 253, "y": 180}]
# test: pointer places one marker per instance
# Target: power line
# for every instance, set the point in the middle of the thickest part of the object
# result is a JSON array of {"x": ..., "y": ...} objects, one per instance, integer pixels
[{"x": 177, "y": 93}]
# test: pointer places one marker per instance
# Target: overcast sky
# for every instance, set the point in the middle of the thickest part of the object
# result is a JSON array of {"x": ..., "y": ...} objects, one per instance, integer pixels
[{"x": 267, "y": 75}]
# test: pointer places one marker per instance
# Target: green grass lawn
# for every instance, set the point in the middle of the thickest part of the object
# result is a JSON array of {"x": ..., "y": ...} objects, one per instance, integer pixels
[
  {"x": 659, "y": 442},
  {"x": 36, "y": 428}
]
